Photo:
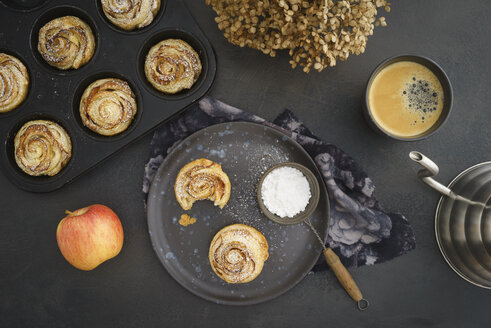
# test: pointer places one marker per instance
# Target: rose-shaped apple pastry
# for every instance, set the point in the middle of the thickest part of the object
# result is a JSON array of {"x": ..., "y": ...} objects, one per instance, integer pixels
[
  {"x": 66, "y": 42},
  {"x": 130, "y": 14},
  {"x": 237, "y": 253},
  {"x": 172, "y": 65},
  {"x": 108, "y": 106},
  {"x": 14, "y": 82},
  {"x": 42, "y": 148},
  {"x": 199, "y": 180}
]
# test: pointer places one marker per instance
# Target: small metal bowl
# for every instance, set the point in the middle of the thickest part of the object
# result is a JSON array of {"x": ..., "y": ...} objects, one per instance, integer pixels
[
  {"x": 435, "y": 69},
  {"x": 311, "y": 206}
]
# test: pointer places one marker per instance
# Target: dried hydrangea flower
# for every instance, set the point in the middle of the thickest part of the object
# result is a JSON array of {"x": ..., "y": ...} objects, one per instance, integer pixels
[{"x": 317, "y": 33}]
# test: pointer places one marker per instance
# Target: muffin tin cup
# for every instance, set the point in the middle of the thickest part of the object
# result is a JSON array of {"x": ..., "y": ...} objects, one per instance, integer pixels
[
  {"x": 77, "y": 97},
  {"x": 55, "y": 94},
  {"x": 165, "y": 34},
  {"x": 29, "y": 88},
  {"x": 14, "y": 169},
  {"x": 24, "y": 6},
  {"x": 56, "y": 12},
  {"x": 144, "y": 29}
]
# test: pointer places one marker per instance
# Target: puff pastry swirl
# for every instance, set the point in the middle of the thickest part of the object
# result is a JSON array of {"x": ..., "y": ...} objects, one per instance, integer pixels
[
  {"x": 130, "y": 14},
  {"x": 108, "y": 106},
  {"x": 66, "y": 42},
  {"x": 172, "y": 65},
  {"x": 237, "y": 253},
  {"x": 14, "y": 82},
  {"x": 202, "y": 179},
  {"x": 42, "y": 148}
]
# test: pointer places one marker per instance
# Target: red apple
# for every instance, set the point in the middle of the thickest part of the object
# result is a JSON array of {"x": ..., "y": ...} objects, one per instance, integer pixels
[{"x": 89, "y": 236}]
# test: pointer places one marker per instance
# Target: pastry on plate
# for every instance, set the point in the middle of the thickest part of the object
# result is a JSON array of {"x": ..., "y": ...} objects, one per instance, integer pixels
[
  {"x": 172, "y": 65},
  {"x": 14, "y": 82},
  {"x": 108, "y": 106},
  {"x": 130, "y": 14},
  {"x": 237, "y": 253},
  {"x": 186, "y": 220},
  {"x": 42, "y": 148},
  {"x": 66, "y": 42},
  {"x": 202, "y": 179}
]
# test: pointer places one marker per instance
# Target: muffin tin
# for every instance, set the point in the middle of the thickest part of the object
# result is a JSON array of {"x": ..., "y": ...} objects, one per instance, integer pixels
[{"x": 55, "y": 94}]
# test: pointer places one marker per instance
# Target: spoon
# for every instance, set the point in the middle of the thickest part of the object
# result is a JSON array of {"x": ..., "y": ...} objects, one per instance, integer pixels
[{"x": 341, "y": 273}]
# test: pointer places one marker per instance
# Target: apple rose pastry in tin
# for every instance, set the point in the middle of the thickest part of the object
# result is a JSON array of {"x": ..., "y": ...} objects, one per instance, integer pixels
[
  {"x": 108, "y": 106},
  {"x": 237, "y": 253},
  {"x": 130, "y": 14},
  {"x": 42, "y": 148},
  {"x": 66, "y": 42},
  {"x": 172, "y": 65},
  {"x": 199, "y": 180},
  {"x": 14, "y": 82}
]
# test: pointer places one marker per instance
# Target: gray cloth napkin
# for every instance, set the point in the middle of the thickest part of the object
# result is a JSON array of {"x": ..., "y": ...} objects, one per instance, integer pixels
[{"x": 360, "y": 231}]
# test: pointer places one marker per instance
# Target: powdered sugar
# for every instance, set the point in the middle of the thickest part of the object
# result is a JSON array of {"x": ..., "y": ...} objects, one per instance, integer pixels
[{"x": 285, "y": 191}]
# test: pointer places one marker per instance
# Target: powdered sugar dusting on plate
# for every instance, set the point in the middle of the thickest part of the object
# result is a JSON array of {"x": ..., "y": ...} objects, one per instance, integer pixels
[{"x": 239, "y": 152}]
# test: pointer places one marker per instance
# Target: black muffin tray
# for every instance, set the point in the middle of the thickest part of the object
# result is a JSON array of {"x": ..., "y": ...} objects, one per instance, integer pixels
[{"x": 55, "y": 94}]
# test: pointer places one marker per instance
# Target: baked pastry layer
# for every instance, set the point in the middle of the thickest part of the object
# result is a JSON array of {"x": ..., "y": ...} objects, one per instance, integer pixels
[
  {"x": 42, "y": 148},
  {"x": 108, "y": 106},
  {"x": 66, "y": 42},
  {"x": 237, "y": 253},
  {"x": 202, "y": 179},
  {"x": 130, "y": 14},
  {"x": 172, "y": 65},
  {"x": 14, "y": 82}
]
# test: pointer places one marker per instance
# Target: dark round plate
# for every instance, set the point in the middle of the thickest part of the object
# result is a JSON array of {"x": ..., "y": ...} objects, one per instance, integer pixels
[
  {"x": 238, "y": 147},
  {"x": 463, "y": 231}
]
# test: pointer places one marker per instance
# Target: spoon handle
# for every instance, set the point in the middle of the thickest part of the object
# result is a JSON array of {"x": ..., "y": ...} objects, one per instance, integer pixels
[{"x": 345, "y": 278}]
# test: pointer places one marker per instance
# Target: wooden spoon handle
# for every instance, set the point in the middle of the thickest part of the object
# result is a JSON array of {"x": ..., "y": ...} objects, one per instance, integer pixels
[{"x": 343, "y": 275}]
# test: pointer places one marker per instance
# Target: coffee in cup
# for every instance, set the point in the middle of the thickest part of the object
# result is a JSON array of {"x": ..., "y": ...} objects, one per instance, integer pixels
[{"x": 405, "y": 99}]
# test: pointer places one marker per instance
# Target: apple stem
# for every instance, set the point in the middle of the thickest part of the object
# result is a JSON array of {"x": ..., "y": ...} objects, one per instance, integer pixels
[{"x": 68, "y": 212}]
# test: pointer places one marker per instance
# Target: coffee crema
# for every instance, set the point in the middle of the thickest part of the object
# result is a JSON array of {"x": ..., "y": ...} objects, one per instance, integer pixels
[{"x": 405, "y": 99}]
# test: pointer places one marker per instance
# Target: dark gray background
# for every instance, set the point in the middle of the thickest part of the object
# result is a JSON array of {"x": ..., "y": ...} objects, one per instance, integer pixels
[{"x": 39, "y": 288}]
